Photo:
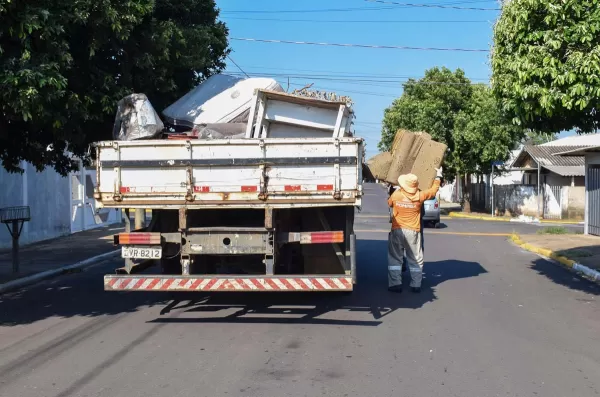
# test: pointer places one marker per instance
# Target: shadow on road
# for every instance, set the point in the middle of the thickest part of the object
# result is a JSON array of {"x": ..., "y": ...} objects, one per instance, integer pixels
[
  {"x": 562, "y": 276},
  {"x": 82, "y": 295},
  {"x": 370, "y": 296}
]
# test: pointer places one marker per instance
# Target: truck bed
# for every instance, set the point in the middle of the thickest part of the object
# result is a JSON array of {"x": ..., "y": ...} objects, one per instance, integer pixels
[{"x": 241, "y": 173}]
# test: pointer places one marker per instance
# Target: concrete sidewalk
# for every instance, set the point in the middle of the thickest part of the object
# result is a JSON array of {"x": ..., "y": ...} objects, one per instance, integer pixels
[
  {"x": 576, "y": 247},
  {"x": 56, "y": 253},
  {"x": 488, "y": 217}
]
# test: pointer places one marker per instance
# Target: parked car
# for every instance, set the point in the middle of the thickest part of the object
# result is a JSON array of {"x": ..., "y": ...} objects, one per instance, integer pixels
[{"x": 432, "y": 212}]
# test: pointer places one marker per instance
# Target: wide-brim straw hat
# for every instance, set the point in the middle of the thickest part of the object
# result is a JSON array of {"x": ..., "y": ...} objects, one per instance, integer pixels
[{"x": 409, "y": 183}]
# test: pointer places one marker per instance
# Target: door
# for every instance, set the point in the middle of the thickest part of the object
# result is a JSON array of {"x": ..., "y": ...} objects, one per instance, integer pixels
[{"x": 593, "y": 199}]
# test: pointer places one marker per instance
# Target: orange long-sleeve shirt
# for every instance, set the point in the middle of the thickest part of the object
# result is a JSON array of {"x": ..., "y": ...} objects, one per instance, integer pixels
[{"x": 407, "y": 208}]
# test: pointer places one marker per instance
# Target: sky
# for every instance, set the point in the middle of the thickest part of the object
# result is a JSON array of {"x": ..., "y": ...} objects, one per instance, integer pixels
[{"x": 372, "y": 77}]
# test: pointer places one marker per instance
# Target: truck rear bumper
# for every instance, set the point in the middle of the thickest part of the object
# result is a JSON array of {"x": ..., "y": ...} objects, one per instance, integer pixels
[{"x": 227, "y": 283}]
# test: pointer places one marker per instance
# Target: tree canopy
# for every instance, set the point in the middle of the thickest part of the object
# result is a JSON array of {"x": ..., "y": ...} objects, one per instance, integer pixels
[
  {"x": 65, "y": 64},
  {"x": 464, "y": 116},
  {"x": 546, "y": 64},
  {"x": 482, "y": 134}
]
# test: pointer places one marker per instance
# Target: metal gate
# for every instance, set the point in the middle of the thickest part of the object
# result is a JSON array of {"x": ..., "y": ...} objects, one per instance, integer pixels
[
  {"x": 478, "y": 197},
  {"x": 552, "y": 202},
  {"x": 593, "y": 199}
]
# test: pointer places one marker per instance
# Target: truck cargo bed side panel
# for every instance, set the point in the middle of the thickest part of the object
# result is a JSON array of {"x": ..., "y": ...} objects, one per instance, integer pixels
[{"x": 156, "y": 173}]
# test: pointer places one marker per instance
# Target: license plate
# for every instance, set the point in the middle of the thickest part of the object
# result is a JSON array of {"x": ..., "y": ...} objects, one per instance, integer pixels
[{"x": 141, "y": 252}]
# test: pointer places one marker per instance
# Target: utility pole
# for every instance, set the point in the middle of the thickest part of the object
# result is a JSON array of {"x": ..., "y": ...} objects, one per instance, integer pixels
[
  {"x": 492, "y": 189},
  {"x": 539, "y": 192}
]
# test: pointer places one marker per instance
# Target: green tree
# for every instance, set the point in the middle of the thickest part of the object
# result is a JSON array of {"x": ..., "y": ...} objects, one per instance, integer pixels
[
  {"x": 482, "y": 134},
  {"x": 546, "y": 64},
  {"x": 464, "y": 116},
  {"x": 64, "y": 65},
  {"x": 430, "y": 104}
]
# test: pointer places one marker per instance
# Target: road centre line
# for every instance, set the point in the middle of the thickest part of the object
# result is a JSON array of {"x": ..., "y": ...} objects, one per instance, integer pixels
[{"x": 445, "y": 233}]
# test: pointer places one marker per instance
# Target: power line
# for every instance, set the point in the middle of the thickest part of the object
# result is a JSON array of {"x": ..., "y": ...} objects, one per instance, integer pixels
[
  {"x": 335, "y": 74},
  {"x": 394, "y": 6},
  {"x": 238, "y": 66},
  {"x": 350, "y": 80},
  {"x": 358, "y": 21},
  {"x": 387, "y": 47},
  {"x": 306, "y": 11},
  {"x": 434, "y": 6}
]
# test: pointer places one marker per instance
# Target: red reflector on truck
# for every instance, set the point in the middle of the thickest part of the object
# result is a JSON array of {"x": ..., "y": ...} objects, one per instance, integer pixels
[
  {"x": 201, "y": 189},
  {"x": 324, "y": 187},
  {"x": 249, "y": 189},
  {"x": 124, "y": 189},
  {"x": 292, "y": 188},
  {"x": 140, "y": 238}
]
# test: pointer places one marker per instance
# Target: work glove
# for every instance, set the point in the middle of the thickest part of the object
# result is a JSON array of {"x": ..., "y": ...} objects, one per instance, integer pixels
[{"x": 439, "y": 172}]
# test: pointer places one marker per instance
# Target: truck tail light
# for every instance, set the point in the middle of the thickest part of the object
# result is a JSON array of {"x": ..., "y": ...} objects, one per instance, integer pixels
[
  {"x": 435, "y": 205},
  {"x": 326, "y": 237},
  {"x": 138, "y": 238},
  {"x": 312, "y": 237}
]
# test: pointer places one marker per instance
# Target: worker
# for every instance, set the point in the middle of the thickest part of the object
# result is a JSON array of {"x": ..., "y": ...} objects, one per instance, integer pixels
[
  {"x": 405, "y": 239},
  {"x": 391, "y": 190}
]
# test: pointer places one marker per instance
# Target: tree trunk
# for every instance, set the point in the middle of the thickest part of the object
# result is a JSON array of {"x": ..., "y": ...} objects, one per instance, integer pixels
[{"x": 467, "y": 195}]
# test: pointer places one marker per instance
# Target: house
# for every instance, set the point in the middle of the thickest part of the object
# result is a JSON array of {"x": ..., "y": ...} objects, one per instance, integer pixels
[
  {"x": 560, "y": 181},
  {"x": 591, "y": 156},
  {"x": 480, "y": 192},
  {"x": 511, "y": 175}
]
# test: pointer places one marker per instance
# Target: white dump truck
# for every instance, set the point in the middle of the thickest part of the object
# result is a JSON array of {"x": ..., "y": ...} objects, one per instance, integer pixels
[{"x": 270, "y": 211}]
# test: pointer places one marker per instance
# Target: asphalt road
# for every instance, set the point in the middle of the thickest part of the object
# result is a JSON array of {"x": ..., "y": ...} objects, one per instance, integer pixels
[{"x": 492, "y": 320}]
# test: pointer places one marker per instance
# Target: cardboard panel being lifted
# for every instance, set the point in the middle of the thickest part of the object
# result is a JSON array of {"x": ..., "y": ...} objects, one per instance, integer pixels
[
  {"x": 403, "y": 134},
  {"x": 431, "y": 156},
  {"x": 405, "y": 154},
  {"x": 415, "y": 153},
  {"x": 379, "y": 165}
]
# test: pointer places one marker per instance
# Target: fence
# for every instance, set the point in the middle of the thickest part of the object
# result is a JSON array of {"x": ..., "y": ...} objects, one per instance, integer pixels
[
  {"x": 593, "y": 188},
  {"x": 557, "y": 202},
  {"x": 516, "y": 200},
  {"x": 509, "y": 200}
]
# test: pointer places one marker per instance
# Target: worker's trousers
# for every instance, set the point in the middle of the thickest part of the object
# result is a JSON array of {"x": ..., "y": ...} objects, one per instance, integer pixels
[{"x": 405, "y": 243}]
